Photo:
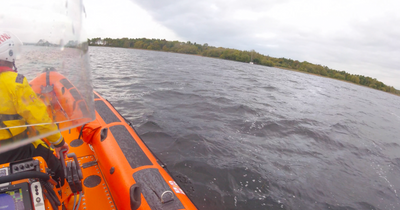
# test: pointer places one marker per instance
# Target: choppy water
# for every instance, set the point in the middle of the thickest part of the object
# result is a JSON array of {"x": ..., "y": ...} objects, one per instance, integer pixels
[{"x": 241, "y": 136}]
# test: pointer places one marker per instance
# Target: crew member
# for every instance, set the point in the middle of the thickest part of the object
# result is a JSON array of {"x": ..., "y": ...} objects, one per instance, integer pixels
[{"x": 19, "y": 108}]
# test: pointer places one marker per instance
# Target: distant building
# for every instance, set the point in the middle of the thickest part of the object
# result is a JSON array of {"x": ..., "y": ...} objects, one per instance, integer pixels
[
  {"x": 72, "y": 43},
  {"x": 100, "y": 42},
  {"x": 46, "y": 43}
]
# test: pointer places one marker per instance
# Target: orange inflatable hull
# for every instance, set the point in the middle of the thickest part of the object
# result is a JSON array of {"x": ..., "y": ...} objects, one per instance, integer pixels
[
  {"x": 119, "y": 170},
  {"x": 65, "y": 104}
]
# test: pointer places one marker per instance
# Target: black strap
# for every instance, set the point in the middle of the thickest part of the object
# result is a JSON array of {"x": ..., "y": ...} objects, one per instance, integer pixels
[
  {"x": 7, "y": 117},
  {"x": 15, "y": 68},
  {"x": 18, "y": 137},
  {"x": 47, "y": 78}
]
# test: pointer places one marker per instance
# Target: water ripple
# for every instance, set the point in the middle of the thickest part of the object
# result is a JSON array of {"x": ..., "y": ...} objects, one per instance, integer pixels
[{"x": 239, "y": 136}]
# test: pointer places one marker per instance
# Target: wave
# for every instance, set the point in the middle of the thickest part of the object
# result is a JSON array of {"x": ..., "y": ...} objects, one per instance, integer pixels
[
  {"x": 270, "y": 88},
  {"x": 259, "y": 138}
]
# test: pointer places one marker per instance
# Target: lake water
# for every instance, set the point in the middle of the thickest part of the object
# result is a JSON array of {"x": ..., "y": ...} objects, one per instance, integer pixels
[{"x": 241, "y": 136}]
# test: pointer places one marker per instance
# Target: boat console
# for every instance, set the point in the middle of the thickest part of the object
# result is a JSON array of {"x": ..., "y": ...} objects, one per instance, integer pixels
[
  {"x": 27, "y": 184},
  {"x": 16, "y": 197}
]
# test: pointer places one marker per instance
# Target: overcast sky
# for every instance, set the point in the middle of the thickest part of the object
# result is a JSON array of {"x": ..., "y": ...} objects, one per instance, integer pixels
[{"x": 357, "y": 36}]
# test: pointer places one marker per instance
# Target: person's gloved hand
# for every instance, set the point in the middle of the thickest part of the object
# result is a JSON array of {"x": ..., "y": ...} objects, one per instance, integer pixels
[{"x": 58, "y": 148}]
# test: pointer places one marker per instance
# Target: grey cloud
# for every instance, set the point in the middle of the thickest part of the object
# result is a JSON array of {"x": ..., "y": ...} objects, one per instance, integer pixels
[
  {"x": 365, "y": 44},
  {"x": 208, "y": 21}
]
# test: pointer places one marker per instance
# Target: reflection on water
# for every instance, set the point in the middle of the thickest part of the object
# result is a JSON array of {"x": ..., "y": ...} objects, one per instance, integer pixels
[
  {"x": 71, "y": 62},
  {"x": 74, "y": 65}
]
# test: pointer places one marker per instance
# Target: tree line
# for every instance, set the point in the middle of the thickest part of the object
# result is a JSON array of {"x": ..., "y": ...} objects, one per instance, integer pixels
[{"x": 241, "y": 56}]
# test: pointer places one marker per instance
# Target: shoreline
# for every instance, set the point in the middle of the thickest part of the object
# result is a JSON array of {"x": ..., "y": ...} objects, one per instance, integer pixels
[
  {"x": 283, "y": 68},
  {"x": 287, "y": 69}
]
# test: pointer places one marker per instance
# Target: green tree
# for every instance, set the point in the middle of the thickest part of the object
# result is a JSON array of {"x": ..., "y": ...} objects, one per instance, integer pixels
[{"x": 138, "y": 44}]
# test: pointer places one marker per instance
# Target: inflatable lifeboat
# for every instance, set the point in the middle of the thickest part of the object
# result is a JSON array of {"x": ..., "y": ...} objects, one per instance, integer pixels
[{"x": 108, "y": 165}]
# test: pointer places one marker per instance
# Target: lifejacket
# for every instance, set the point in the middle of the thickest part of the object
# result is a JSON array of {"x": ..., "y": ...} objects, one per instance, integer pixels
[
  {"x": 8, "y": 117},
  {"x": 19, "y": 105}
]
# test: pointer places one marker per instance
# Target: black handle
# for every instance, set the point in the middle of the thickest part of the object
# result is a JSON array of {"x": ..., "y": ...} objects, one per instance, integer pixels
[
  {"x": 63, "y": 161},
  {"x": 24, "y": 175},
  {"x": 135, "y": 192}
]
